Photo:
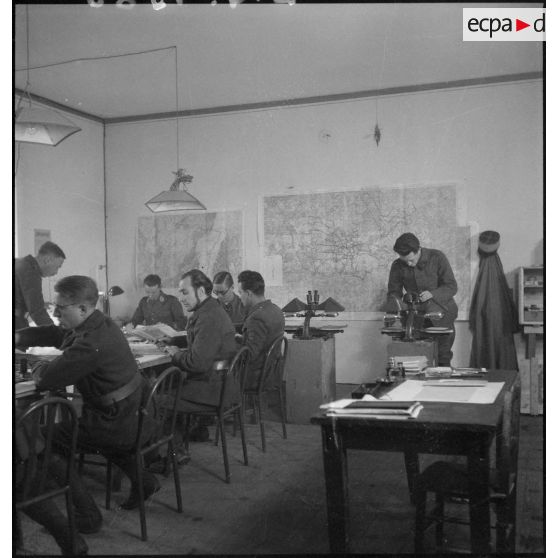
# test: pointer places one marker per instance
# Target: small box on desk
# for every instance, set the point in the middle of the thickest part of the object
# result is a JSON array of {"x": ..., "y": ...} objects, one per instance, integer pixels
[{"x": 427, "y": 348}]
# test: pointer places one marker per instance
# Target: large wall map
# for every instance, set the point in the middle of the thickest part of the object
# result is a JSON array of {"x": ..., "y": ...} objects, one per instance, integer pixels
[
  {"x": 341, "y": 243},
  {"x": 170, "y": 245}
]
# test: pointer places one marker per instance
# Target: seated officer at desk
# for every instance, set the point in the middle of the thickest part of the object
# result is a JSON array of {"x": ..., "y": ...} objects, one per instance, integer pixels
[
  {"x": 158, "y": 307},
  {"x": 210, "y": 341},
  {"x": 264, "y": 322},
  {"x": 223, "y": 289},
  {"x": 427, "y": 272},
  {"x": 96, "y": 359}
]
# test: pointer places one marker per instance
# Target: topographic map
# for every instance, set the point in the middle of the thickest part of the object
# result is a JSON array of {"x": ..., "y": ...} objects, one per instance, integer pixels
[
  {"x": 341, "y": 243},
  {"x": 170, "y": 245}
]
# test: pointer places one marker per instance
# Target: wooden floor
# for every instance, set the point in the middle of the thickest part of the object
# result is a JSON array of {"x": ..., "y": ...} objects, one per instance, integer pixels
[{"x": 276, "y": 505}]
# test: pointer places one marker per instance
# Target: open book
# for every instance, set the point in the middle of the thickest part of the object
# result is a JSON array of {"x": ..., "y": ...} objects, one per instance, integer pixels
[
  {"x": 373, "y": 408},
  {"x": 156, "y": 332}
]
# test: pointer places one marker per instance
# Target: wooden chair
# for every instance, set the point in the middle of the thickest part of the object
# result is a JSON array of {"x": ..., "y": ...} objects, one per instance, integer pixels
[
  {"x": 233, "y": 377},
  {"x": 270, "y": 380},
  {"x": 450, "y": 481},
  {"x": 161, "y": 404},
  {"x": 34, "y": 431}
]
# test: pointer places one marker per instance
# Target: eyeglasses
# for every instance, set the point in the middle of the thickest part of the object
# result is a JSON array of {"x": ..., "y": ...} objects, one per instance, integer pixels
[
  {"x": 58, "y": 307},
  {"x": 222, "y": 293}
]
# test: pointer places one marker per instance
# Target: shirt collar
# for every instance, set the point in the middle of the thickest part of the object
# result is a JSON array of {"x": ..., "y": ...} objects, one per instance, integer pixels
[{"x": 424, "y": 257}]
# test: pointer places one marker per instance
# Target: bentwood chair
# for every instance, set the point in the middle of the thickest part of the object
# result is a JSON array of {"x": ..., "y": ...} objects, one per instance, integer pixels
[
  {"x": 161, "y": 406},
  {"x": 34, "y": 431},
  {"x": 270, "y": 381},
  {"x": 449, "y": 481},
  {"x": 230, "y": 404}
]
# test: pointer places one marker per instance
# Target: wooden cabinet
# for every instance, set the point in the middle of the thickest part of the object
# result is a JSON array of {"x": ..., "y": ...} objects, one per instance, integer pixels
[
  {"x": 530, "y": 295},
  {"x": 310, "y": 377}
]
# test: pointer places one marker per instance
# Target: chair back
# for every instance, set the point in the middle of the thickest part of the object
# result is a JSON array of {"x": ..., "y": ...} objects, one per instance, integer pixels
[
  {"x": 507, "y": 444},
  {"x": 34, "y": 430},
  {"x": 160, "y": 406},
  {"x": 274, "y": 364},
  {"x": 234, "y": 376}
]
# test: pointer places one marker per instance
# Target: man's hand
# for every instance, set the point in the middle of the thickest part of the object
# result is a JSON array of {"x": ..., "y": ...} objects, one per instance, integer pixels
[
  {"x": 171, "y": 349},
  {"x": 425, "y": 295}
]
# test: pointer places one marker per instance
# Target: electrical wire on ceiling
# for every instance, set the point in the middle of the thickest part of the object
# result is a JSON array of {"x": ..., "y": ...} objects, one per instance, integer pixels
[{"x": 89, "y": 58}]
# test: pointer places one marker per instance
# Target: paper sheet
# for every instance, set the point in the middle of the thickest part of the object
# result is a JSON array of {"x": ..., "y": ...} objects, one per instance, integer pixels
[{"x": 416, "y": 390}]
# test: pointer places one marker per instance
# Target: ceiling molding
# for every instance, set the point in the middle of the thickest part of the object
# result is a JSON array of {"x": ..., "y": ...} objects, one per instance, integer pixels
[
  {"x": 55, "y": 105},
  {"x": 319, "y": 99},
  {"x": 405, "y": 89}
]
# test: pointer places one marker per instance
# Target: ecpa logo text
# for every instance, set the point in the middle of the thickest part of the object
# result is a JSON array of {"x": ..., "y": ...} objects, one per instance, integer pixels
[{"x": 493, "y": 25}]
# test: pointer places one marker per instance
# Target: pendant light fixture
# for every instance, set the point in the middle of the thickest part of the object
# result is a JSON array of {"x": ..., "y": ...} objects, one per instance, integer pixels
[
  {"x": 35, "y": 124},
  {"x": 176, "y": 198}
]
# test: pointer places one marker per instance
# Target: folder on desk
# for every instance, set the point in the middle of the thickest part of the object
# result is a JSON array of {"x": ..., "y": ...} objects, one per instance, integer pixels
[{"x": 379, "y": 409}]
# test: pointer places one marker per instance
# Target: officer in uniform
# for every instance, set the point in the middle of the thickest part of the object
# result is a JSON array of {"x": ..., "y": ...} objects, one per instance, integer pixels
[{"x": 97, "y": 360}]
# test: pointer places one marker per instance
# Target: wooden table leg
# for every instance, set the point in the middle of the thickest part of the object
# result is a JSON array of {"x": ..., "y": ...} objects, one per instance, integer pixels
[
  {"x": 412, "y": 469},
  {"x": 478, "y": 465},
  {"x": 335, "y": 469}
]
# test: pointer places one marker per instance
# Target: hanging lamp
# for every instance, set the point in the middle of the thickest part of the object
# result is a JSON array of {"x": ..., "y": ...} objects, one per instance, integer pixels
[
  {"x": 177, "y": 197},
  {"x": 37, "y": 124}
]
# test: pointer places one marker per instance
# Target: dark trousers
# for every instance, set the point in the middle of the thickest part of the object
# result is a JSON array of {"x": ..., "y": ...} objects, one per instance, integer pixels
[
  {"x": 445, "y": 341},
  {"x": 89, "y": 442},
  {"x": 87, "y": 514}
]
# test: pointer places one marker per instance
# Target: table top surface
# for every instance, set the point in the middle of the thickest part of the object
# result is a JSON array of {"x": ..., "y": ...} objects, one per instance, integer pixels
[{"x": 438, "y": 415}]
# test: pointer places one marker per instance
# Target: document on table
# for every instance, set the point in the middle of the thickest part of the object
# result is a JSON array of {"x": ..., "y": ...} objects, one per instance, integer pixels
[{"x": 450, "y": 391}]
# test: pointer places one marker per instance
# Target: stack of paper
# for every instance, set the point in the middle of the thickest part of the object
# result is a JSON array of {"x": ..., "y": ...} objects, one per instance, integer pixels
[
  {"x": 413, "y": 364},
  {"x": 156, "y": 332},
  {"x": 139, "y": 349},
  {"x": 373, "y": 408},
  {"x": 25, "y": 387}
]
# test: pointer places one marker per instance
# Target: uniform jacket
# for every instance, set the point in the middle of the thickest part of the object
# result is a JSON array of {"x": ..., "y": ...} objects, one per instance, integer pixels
[
  {"x": 432, "y": 273},
  {"x": 210, "y": 337},
  {"x": 96, "y": 359},
  {"x": 235, "y": 309},
  {"x": 29, "y": 293},
  {"x": 166, "y": 309},
  {"x": 264, "y": 323}
]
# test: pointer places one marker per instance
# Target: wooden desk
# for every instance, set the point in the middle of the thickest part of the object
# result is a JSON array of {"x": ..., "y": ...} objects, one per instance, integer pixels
[
  {"x": 148, "y": 361},
  {"x": 441, "y": 428}
]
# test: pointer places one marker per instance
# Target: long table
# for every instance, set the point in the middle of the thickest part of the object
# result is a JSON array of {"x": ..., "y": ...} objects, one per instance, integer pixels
[{"x": 441, "y": 428}]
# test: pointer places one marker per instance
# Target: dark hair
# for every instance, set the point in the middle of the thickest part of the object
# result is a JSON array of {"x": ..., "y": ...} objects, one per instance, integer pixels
[
  {"x": 406, "y": 244},
  {"x": 51, "y": 249},
  {"x": 223, "y": 277},
  {"x": 152, "y": 280},
  {"x": 251, "y": 281},
  {"x": 199, "y": 279},
  {"x": 78, "y": 289}
]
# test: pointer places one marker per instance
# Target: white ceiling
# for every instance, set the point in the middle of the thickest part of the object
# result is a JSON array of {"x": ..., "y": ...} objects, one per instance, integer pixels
[{"x": 250, "y": 54}]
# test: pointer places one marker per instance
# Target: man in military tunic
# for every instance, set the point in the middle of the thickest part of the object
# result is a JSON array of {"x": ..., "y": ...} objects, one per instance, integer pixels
[{"x": 97, "y": 360}]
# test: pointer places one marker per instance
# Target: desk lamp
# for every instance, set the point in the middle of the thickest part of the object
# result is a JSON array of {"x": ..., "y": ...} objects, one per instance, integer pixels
[
  {"x": 113, "y": 291},
  {"x": 330, "y": 307}
]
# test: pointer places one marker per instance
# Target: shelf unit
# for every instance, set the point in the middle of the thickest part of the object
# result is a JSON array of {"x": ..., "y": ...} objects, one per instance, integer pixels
[{"x": 530, "y": 291}]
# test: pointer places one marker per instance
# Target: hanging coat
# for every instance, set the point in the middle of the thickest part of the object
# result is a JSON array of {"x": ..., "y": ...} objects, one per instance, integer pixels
[{"x": 493, "y": 317}]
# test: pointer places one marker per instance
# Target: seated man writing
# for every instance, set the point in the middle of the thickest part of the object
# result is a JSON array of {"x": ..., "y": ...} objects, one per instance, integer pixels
[
  {"x": 263, "y": 324},
  {"x": 158, "y": 307},
  {"x": 96, "y": 358},
  {"x": 210, "y": 341}
]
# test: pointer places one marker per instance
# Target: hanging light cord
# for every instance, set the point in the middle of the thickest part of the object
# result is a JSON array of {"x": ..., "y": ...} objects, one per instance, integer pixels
[
  {"x": 176, "y": 101},
  {"x": 26, "y": 90}
]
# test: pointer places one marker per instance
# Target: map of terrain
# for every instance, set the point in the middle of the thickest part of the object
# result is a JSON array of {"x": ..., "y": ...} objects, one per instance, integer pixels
[
  {"x": 170, "y": 245},
  {"x": 341, "y": 243}
]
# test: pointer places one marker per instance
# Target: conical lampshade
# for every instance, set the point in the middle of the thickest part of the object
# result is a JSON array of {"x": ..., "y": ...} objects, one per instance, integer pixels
[
  {"x": 41, "y": 125},
  {"x": 295, "y": 305},
  {"x": 174, "y": 200},
  {"x": 331, "y": 305}
]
